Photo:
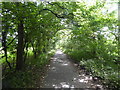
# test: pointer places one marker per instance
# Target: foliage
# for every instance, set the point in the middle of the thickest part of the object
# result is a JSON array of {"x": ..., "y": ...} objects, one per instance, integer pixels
[
  {"x": 28, "y": 28},
  {"x": 29, "y": 75},
  {"x": 93, "y": 41},
  {"x": 86, "y": 32}
]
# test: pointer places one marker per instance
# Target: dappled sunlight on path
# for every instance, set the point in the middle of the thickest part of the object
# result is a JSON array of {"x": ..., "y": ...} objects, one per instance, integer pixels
[
  {"x": 63, "y": 73},
  {"x": 59, "y": 52}
]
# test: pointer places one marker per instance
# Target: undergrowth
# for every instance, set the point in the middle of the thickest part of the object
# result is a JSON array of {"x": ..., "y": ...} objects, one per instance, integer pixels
[
  {"x": 106, "y": 69},
  {"x": 32, "y": 71}
]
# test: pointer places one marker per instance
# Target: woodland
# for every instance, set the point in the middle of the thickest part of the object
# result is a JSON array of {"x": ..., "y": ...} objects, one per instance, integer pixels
[{"x": 33, "y": 31}]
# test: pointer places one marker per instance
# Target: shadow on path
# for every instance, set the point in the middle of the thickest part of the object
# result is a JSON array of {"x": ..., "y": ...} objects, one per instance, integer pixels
[{"x": 63, "y": 73}]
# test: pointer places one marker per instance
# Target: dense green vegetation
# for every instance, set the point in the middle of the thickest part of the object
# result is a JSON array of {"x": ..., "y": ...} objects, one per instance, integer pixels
[
  {"x": 94, "y": 43},
  {"x": 30, "y": 32}
]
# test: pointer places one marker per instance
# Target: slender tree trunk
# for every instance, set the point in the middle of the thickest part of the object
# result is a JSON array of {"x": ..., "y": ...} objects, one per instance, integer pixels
[
  {"x": 20, "y": 46},
  {"x": 4, "y": 34}
]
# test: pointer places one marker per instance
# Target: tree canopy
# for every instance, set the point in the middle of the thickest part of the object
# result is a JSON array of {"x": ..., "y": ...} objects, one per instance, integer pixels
[{"x": 88, "y": 33}]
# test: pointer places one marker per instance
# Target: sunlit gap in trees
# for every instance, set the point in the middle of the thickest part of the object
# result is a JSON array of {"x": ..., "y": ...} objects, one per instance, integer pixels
[
  {"x": 108, "y": 34},
  {"x": 62, "y": 37}
]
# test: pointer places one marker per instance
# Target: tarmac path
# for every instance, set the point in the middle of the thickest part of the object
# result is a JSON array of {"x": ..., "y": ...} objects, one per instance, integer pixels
[{"x": 63, "y": 73}]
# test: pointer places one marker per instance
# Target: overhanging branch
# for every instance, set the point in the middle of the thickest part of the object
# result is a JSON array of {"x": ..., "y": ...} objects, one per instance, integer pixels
[
  {"x": 9, "y": 43},
  {"x": 57, "y": 15}
]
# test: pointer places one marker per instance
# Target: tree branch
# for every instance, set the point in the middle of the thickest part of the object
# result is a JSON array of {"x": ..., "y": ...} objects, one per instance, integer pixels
[
  {"x": 58, "y": 16},
  {"x": 9, "y": 43}
]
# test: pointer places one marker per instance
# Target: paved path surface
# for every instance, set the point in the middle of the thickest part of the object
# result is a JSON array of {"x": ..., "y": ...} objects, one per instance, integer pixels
[{"x": 63, "y": 73}]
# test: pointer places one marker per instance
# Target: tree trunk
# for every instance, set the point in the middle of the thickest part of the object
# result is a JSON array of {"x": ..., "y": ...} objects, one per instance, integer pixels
[
  {"x": 20, "y": 46},
  {"x": 4, "y": 34}
]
